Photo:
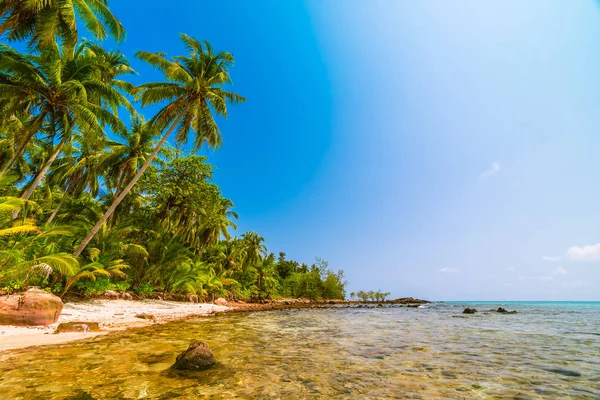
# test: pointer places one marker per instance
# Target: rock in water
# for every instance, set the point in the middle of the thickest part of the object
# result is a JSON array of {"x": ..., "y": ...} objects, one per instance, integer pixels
[
  {"x": 34, "y": 307},
  {"x": 221, "y": 301},
  {"x": 469, "y": 311},
  {"x": 504, "y": 311},
  {"x": 82, "y": 327},
  {"x": 145, "y": 316},
  {"x": 197, "y": 357}
]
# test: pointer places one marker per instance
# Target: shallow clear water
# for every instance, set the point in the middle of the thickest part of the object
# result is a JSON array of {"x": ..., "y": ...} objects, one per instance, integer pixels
[{"x": 547, "y": 350}]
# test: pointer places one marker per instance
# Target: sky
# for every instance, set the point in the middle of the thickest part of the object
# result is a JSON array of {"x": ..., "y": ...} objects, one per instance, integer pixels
[{"x": 445, "y": 150}]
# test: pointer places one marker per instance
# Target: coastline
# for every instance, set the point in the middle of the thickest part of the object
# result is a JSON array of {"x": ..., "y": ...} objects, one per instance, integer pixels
[
  {"x": 111, "y": 315},
  {"x": 114, "y": 315}
]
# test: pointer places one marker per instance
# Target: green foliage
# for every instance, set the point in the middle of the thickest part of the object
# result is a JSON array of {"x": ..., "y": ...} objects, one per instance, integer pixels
[
  {"x": 87, "y": 212},
  {"x": 99, "y": 286},
  {"x": 144, "y": 290},
  {"x": 371, "y": 295}
]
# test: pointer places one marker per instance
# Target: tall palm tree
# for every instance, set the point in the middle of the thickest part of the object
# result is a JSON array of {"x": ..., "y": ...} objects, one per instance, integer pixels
[
  {"x": 78, "y": 171},
  {"x": 193, "y": 92},
  {"x": 58, "y": 92},
  {"x": 44, "y": 22}
]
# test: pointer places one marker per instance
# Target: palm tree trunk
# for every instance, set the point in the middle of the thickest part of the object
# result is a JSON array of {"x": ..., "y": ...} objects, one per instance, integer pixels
[
  {"x": 38, "y": 178},
  {"x": 20, "y": 149},
  {"x": 60, "y": 203},
  {"x": 126, "y": 190}
]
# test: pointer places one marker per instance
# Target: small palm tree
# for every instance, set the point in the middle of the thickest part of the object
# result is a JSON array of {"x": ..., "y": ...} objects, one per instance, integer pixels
[
  {"x": 193, "y": 92},
  {"x": 128, "y": 153},
  {"x": 254, "y": 248},
  {"x": 78, "y": 171}
]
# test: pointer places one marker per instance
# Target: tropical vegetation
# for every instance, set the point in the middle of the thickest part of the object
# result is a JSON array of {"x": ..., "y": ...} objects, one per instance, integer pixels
[
  {"x": 94, "y": 196},
  {"x": 370, "y": 295}
]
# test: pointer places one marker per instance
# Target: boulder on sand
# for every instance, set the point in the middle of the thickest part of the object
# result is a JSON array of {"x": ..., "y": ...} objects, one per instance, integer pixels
[
  {"x": 34, "y": 307},
  {"x": 197, "y": 357},
  {"x": 221, "y": 301}
]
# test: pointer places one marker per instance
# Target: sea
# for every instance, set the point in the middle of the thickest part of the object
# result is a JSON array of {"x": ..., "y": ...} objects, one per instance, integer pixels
[{"x": 547, "y": 350}]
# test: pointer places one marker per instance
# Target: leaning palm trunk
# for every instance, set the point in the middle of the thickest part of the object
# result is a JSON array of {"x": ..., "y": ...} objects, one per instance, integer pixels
[
  {"x": 58, "y": 207},
  {"x": 18, "y": 152},
  {"x": 126, "y": 190},
  {"x": 38, "y": 178}
]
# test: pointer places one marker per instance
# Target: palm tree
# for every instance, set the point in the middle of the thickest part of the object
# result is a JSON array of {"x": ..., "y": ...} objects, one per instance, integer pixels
[
  {"x": 193, "y": 92},
  {"x": 218, "y": 223},
  {"x": 25, "y": 249},
  {"x": 44, "y": 22},
  {"x": 254, "y": 248},
  {"x": 126, "y": 156},
  {"x": 78, "y": 171},
  {"x": 59, "y": 92},
  {"x": 264, "y": 268}
]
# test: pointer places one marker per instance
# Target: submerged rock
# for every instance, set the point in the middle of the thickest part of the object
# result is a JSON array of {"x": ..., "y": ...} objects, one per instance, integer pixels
[
  {"x": 145, "y": 316},
  {"x": 197, "y": 357},
  {"x": 77, "y": 327},
  {"x": 469, "y": 311},
  {"x": 34, "y": 307}
]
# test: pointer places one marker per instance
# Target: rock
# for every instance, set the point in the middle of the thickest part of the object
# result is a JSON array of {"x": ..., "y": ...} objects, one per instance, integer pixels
[
  {"x": 469, "y": 311},
  {"x": 379, "y": 305},
  {"x": 127, "y": 296},
  {"x": 145, "y": 316},
  {"x": 221, "y": 301},
  {"x": 77, "y": 327},
  {"x": 412, "y": 305},
  {"x": 407, "y": 300},
  {"x": 34, "y": 307},
  {"x": 111, "y": 294},
  {"x": 503, "y": 311},
  {"x": 192, "y": 298},
  {"x": 197, "y": 357}
]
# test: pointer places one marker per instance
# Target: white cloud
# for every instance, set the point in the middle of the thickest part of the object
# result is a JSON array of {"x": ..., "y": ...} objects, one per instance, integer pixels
[
  {"x": 494, "y": 169},
  {"x": 551, "y": 259},
  {"x": 449, "y": 270},
  {"x": 584, "y": 253}
]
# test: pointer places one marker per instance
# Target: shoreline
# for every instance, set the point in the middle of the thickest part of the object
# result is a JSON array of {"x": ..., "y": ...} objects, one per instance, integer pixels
[
  {"x": 111, "y": 315},
  {"x": 120, "y": 315}
]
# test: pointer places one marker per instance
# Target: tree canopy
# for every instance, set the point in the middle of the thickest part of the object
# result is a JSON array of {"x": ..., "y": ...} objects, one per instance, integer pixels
[{"x": 89, "y": 202}]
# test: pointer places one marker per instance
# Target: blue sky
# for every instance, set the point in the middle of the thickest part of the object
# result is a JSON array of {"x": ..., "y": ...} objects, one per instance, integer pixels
[{"x": 438, "y": 149}]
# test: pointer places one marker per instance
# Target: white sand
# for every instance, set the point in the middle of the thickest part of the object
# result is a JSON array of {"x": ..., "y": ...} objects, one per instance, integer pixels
[{"x": 110, "y": 314}]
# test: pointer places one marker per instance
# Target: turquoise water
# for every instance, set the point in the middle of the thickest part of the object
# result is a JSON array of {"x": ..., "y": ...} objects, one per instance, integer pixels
[{"x": 546, "y": 351}]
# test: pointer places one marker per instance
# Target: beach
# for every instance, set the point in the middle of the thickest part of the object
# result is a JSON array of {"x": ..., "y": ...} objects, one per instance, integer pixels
[{"x": 111, "y": 315}]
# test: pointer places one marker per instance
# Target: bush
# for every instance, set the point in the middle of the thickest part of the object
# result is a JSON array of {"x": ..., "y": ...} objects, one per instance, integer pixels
[
  {"x": 144, "y": 290},
  {"x": 100, "y": 286}
]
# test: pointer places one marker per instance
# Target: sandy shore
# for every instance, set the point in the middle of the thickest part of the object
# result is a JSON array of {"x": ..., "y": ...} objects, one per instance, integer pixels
[{"x": 111, "y": 315}]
